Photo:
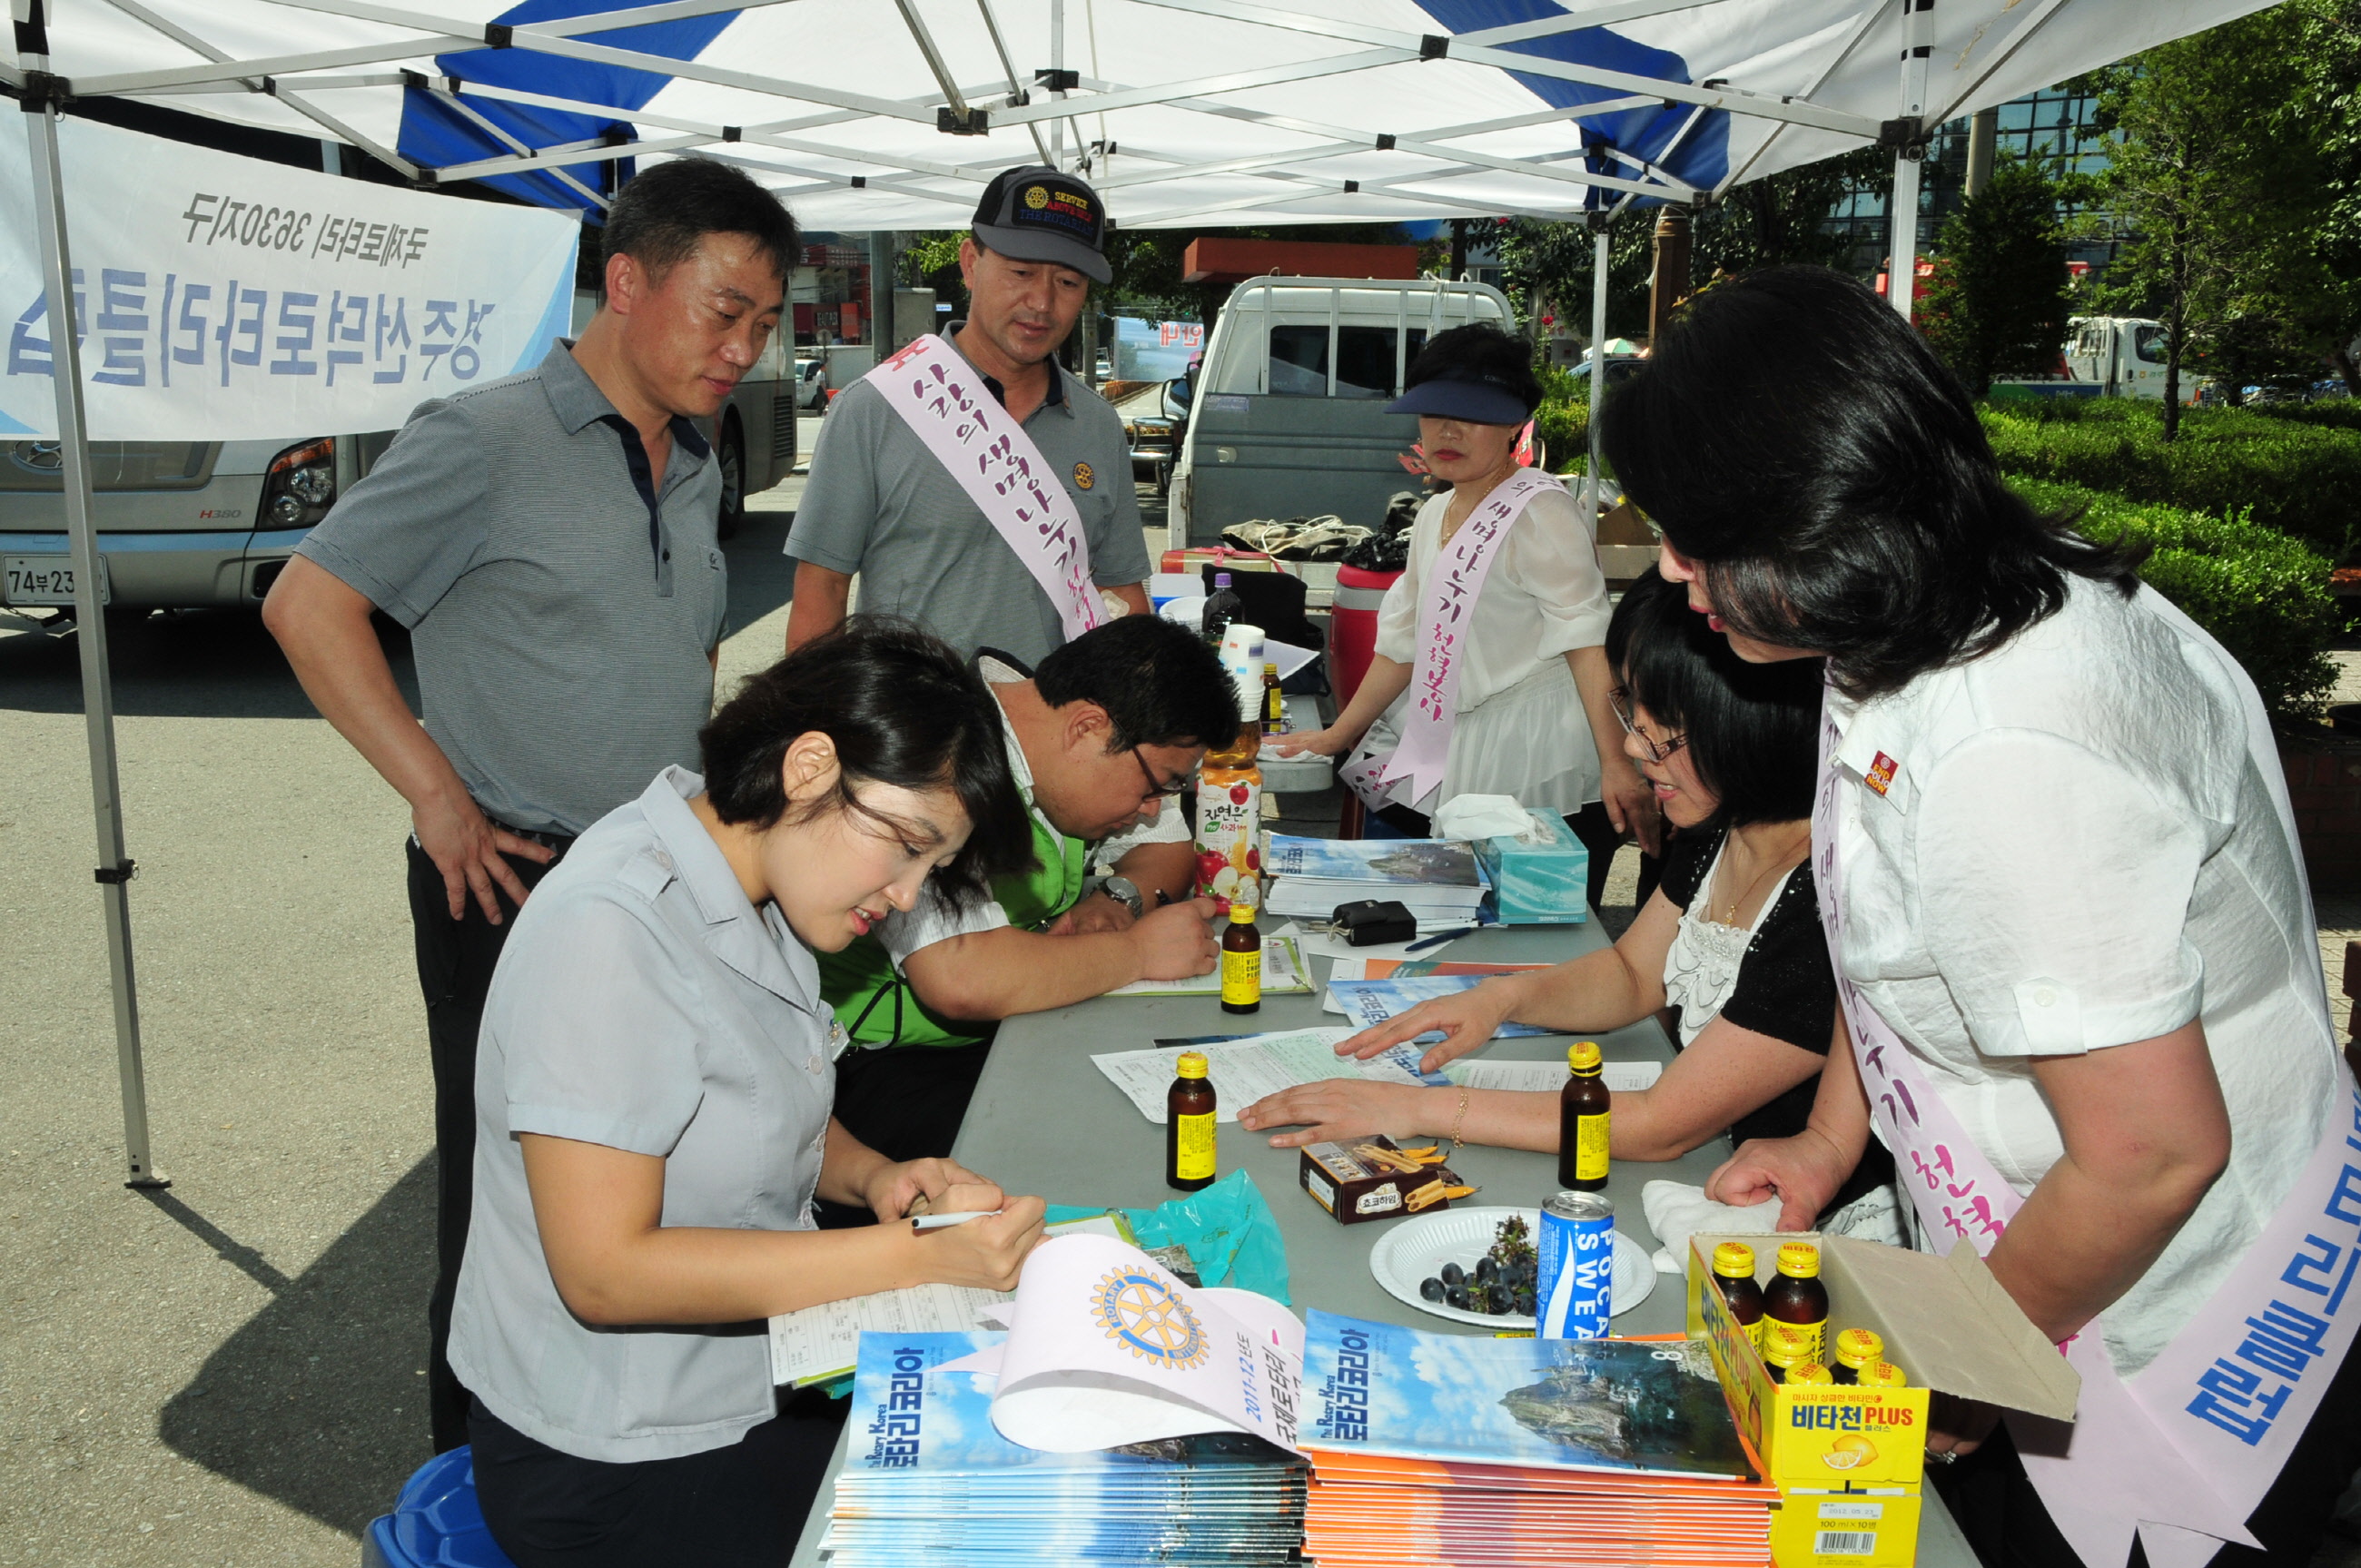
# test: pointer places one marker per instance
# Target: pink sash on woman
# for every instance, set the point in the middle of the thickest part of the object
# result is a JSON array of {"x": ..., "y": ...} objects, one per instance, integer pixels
[
  {"x": 2183, "y": 1450},
  {"x": 1448, "y": 607},
  {"x": 942, "y": 398}
]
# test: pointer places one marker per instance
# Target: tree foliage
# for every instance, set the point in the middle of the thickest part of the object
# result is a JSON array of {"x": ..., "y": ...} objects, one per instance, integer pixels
[
  {"x": 1997, "y": 303},
  {"x": 1783, "y": 217},
  {"x": 2239, "y": 169},
  {"x": 1764, "y": 223}
]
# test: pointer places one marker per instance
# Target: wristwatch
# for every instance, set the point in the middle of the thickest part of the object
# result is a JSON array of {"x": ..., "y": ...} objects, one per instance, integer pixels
[{"x": 1126, "y": 891}]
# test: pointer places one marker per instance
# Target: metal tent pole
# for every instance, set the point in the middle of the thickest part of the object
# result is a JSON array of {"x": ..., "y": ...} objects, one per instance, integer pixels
[
  {"x": 1907, "y": 134},
  {"x": 1057, "y": 63},
  {"x": 114, "y": 867},
  {"x": 1901, "y": 231},
  {"x": 1599, "y": 238}
]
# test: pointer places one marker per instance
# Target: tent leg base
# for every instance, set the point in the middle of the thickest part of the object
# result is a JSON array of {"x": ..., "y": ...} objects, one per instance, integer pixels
[{"x": 154, "y": 1181}]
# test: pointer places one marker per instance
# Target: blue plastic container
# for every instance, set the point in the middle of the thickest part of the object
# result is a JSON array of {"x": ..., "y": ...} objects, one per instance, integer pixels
[{"x": 436, "y": 1522}]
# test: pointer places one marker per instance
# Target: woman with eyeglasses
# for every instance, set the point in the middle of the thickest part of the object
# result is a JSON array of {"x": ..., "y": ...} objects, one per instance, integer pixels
[
  {"x": 2061, "y": 883},
  {"x": 1488, "y": 676},
  {"x": 654, "y": 1103},
  {"x": 1729, "y": 939}
]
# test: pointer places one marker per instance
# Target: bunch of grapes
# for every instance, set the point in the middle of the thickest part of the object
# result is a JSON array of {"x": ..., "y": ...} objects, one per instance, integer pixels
[{"x": 1504, "y": 1278}]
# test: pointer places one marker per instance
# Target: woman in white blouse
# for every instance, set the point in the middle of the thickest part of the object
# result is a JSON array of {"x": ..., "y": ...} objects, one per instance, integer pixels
[
  {"x": 1530, "y": 715},
  {"x": 2069, "y": 922}
]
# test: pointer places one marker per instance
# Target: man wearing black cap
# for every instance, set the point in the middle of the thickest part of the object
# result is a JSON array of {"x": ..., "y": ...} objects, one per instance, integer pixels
[{"x": 879, "y": 501}]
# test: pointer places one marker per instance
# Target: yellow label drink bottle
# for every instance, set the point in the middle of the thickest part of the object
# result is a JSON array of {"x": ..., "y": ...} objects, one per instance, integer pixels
[
  {"x": 1733, "y": 1271},
  {"x": 1795, "y": 1310},
  {"x": 1856, "y": 1350},
  {"x": 1582, "y": 1107},
  {"x": 1189, "y": 1125},
  {"x": 1241, "y": 959}
]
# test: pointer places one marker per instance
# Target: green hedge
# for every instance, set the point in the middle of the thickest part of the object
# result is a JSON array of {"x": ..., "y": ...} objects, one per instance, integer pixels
[
  {"x": 2335, "y": 413},
  {"x": 2262, "y": 594},
  {"x": 2301, "y": 478},
  {"x": 1563, "y": 422}
]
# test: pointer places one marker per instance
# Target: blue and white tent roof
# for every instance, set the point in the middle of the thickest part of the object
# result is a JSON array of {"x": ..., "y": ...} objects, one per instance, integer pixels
[{"x": 1183, "y": 112}]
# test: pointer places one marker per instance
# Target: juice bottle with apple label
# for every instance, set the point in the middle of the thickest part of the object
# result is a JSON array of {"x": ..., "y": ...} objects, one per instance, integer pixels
[{"x": 1229, "y": 820}]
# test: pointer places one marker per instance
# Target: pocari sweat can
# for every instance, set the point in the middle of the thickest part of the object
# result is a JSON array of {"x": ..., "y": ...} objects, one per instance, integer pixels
[{"x": 1578, "y": 1267}]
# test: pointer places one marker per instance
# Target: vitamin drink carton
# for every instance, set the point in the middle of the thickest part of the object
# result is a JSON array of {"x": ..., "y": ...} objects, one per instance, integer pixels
[{"x": 1850, "y": 1462}]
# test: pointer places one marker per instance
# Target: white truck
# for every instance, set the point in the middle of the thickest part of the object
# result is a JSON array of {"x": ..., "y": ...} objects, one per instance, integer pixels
[
  {"x": 2122, "y": 356},
  {"x": 1287, "y": 414}
]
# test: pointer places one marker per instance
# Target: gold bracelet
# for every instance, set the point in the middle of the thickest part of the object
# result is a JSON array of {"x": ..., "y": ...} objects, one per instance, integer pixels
[{"x": 1456, "y": 1120}]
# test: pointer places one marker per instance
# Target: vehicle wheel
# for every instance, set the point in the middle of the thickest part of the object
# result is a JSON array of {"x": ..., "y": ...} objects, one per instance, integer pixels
[{"x": 732, "y": 515}]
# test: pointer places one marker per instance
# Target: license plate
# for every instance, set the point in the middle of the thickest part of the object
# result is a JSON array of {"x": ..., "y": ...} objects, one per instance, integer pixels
[{"x": 43, "y": 580}]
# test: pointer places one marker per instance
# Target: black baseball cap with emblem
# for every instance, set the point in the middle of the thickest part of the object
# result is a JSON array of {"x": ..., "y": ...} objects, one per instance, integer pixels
[{"x": 1033, "y": 212}]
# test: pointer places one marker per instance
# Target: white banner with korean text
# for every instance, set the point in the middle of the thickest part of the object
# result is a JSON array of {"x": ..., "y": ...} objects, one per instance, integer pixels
[{"x": 219, "y": 298}]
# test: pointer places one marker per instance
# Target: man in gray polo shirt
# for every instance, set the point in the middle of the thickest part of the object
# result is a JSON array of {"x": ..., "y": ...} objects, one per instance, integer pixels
[
  {"x": 548, "y": 540},
  {"x": 880, "y": 504}
]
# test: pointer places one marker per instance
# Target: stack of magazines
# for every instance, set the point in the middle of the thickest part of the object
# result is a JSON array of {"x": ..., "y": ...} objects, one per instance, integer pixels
[
  {"x": 1432, "y": 1449},
  {"x": 928, "y": 1480},
  {"x": 1439, "y": 879}
]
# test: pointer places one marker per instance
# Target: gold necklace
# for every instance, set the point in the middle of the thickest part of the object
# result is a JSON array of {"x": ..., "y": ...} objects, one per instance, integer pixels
[
  {"x": 1492, "y": 482},
  {"x": 1784, "y": 862}
]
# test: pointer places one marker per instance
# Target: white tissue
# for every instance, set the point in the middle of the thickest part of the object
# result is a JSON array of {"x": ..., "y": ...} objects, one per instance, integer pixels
[
  {"x": 1481, "y": 817},
  {"x": 1676, "y": 1211}
]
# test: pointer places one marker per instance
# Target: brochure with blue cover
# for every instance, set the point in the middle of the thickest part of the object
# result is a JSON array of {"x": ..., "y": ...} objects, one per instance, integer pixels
[
  {"x": 1651, "y": 1407},
  {"x": 1401, "y": 862},
  {"x": 927, "y": 1478}
]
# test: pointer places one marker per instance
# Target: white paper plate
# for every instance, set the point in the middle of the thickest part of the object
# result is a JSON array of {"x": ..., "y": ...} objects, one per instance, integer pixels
[{"x": 1415, "y": 1250}]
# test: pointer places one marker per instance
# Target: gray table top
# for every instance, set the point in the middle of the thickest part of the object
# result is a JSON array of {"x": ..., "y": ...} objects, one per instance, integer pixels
[{"x": 1044, "y": 1120}]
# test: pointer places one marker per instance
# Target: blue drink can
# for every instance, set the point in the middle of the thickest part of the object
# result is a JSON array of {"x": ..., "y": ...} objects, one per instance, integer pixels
[{"x": 1578, "y": 1267}]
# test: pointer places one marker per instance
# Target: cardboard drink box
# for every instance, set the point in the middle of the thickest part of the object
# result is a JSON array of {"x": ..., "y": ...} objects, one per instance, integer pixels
[
  {"x": 1539, "y": 878},
  {"x": 1849, "y": 1461}
]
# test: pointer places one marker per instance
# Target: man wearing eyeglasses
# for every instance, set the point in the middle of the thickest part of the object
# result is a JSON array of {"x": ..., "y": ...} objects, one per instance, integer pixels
[{"x": 1103, "y": 737}]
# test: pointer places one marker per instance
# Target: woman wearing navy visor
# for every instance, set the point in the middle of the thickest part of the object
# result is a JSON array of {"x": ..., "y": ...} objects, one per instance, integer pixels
[
  {"x": 1490, "y": 675},
  {"x": 653, "y": 1097}
]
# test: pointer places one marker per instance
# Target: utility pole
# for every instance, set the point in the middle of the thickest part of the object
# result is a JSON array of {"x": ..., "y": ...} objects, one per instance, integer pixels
[
  {"x": 1982, "y": 128},
  {"x": 1668, "y": 283}
]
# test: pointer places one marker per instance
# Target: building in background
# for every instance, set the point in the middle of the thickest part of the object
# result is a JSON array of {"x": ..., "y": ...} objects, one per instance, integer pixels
[
  {"x": 2052, "y": 128},
  {"x": 830, "y": 290}
]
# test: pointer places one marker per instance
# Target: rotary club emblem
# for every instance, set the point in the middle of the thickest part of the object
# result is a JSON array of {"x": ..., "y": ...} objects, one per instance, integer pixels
[
  {"x": 1085, "y": 477},
  {"x": 1141, "y": 1312},
  {"x": 1036, "y": 197}
]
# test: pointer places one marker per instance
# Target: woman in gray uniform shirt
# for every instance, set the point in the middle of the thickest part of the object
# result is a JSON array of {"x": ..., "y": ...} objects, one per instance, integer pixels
[{"x": 653, "y": 1092}]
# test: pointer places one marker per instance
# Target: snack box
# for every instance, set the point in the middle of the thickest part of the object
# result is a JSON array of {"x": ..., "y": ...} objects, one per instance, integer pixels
[
  {"x": 1540, "y": 877},
  {"x": 1850, "y": 1462},
  {"x": 1352, "y": 1186}
]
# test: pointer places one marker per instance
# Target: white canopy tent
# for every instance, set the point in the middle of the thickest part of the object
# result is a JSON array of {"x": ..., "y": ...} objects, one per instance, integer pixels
[{"x": 869, "y": 116}]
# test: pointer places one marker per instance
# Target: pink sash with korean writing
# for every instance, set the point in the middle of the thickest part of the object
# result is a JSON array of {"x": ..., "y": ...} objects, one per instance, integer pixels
[
  {"x": 1443, "y": 621},
  {"x": 2184, "y": 1449},
  {"x": 942, "y": 398}
]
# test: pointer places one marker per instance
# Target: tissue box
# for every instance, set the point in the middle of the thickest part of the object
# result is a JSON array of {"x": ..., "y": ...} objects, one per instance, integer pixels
[{"x": 1543, "y": 881}]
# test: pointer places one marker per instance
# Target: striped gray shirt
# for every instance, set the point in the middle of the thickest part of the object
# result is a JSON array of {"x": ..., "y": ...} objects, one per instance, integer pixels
[{"x": 561, "y": 632}]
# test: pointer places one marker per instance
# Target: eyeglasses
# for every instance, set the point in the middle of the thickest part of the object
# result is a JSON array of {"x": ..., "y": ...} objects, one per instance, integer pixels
[
  {"x": 1158, "y": 790},
  {"x": 1658, "y": 750}
]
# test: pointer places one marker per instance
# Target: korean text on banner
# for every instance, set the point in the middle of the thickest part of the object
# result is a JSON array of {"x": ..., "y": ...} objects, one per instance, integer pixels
[{"x": 219, "y": 298}]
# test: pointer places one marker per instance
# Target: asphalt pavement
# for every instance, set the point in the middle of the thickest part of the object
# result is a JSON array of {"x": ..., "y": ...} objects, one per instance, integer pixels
[{"x": 231, "y": 1371}]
